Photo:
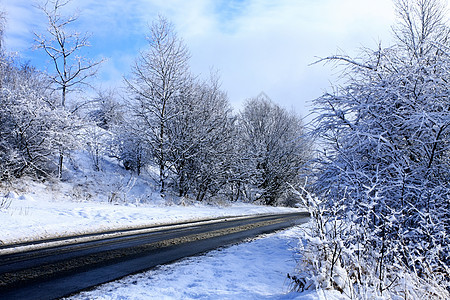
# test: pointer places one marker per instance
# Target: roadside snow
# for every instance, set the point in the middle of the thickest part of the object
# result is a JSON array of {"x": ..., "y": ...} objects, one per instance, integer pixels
[
  {"x": 253, "y": 270},
  {"x": 39, "y": 213},
  {"x": 29, "y": 219}
]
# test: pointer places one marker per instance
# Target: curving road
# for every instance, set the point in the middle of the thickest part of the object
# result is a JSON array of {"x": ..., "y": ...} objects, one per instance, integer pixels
[{"x": 59, "y": 267}]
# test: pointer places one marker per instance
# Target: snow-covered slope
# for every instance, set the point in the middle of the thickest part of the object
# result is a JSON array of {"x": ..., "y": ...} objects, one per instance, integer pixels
[{"x": 89, "y": 201}]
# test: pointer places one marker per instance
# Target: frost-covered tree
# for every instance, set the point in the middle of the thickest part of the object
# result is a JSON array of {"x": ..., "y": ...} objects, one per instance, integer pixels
[
  {"x": 63, "y": 46},
  {"x": 200, "y": 138},
  {"x": 31, "y": 128},
  {"x": 105, "y": 110},
  {"x": 129, "y": 144},
  {"x": 272, "y": 147},
  {"x": 386, "y": 142},
  {"x": 31, "y": 131},
  {"x": 2, "y": 29},
  {"x": 159, "y": 76},
  {"x": 103, "y": 116}
]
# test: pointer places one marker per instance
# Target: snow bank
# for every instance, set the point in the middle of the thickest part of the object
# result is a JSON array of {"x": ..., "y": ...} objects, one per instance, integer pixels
[
  {"x": 42, "y": 213},
  {"x": 253, "y": 270}
]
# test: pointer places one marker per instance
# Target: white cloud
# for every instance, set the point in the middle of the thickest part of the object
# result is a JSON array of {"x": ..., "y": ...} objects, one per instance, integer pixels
[
  {"x": 257, "y": 45},
  {"x": 268, "y": 46},
  {"x": 20, "y": 20}
]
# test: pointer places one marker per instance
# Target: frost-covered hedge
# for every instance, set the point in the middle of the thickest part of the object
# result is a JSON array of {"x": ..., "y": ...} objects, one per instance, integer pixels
[
  {"x": 346, "y": 254},
  {"x": 383, "y": 176}
]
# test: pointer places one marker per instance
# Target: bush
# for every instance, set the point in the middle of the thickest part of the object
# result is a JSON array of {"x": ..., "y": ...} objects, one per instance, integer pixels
[{"x": 341, "y": 253}]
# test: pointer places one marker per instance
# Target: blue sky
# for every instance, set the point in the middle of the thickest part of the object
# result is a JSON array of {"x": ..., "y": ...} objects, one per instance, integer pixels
[{"x": 257, "y": 45}]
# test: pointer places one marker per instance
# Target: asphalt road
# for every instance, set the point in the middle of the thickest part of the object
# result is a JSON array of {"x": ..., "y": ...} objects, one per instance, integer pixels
[{"x": 59, "y": 267}]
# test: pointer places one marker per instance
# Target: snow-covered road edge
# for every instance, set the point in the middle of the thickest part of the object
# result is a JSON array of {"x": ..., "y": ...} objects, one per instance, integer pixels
[
  {"x": 121, "y": 232},
  {"x": 254, "y": 269},
  {"x": 37, "y": 215}
]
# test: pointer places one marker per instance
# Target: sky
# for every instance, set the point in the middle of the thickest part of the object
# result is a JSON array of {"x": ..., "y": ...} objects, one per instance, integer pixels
[{"x": 255, "y": 45}]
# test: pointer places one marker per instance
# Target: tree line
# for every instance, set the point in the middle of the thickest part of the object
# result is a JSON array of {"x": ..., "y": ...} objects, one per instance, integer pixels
[{"x": 166, "y": 122}]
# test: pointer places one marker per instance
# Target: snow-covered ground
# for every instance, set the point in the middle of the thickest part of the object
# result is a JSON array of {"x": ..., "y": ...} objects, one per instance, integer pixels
[
  {"x": 89, "y": 201},
  {"x": 35, "y": 215},
  {"x": 253, "y": 270}
]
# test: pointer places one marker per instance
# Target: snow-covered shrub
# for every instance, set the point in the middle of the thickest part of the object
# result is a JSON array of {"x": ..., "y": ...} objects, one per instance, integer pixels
[
  {"x": 32, "y": 130},
  {"x": 344, "y": 254},
  {"x": 121, "y": 189},
  {"x": 383, "y": 174}
]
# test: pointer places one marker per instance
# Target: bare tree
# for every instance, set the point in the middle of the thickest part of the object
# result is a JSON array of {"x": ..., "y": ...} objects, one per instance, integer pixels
[
  {"x": 420, "y": 25},
  {"x": 159, "y": 76},
  {"x": 63, "y": 46}
]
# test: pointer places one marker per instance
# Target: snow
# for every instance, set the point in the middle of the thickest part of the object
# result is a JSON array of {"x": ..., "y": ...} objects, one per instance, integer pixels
[
  {"x": 256, "y": 269},
  {"x": 88, "y": 201},
  {"x": 252, "y": 270},
  {"x": 35, "y": 215}
]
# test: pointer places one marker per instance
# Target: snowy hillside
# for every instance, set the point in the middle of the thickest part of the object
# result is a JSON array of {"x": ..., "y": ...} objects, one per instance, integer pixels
[{"x": 89, "y": 201}]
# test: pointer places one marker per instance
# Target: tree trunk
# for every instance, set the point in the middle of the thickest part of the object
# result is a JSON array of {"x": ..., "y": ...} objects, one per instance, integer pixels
[
  {"x": 63, "y": 97},
  {"x": 60, "y": 164},
  {"x": 161, "y": 160}
]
